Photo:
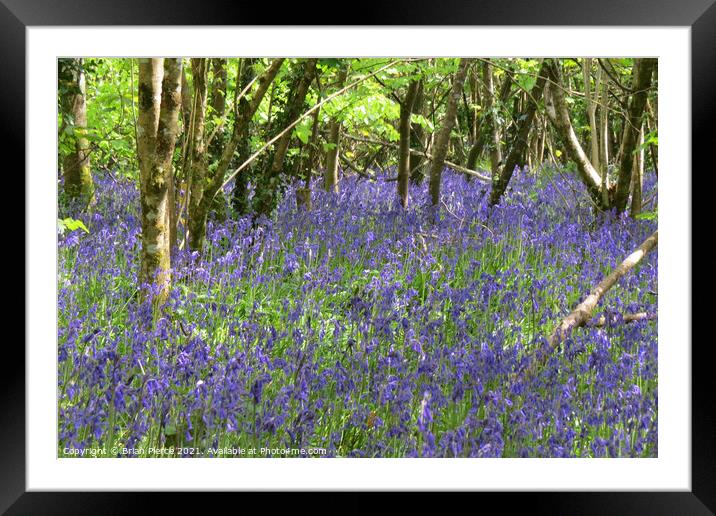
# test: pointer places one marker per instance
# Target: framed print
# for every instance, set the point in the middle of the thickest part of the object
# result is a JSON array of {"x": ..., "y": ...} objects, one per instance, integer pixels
[{"x": 419, "y": 251}]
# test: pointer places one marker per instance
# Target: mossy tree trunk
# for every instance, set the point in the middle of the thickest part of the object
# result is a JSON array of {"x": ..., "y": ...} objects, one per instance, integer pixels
[
  {"x": 443, "y": 140},
  {"x": 159, "y": 101},
  {"x": 73, "y": 109}
]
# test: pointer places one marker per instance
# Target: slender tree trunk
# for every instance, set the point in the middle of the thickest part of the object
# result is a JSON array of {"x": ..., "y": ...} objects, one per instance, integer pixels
[
  {"x": 406, "y": 108},
  {"x": 652, "y": 151},
  {"x": 159, "y": 101},
  {"x": 641, "y": 82},
  {"x": 637, "y": 177},
  {"x": 417, "y": 136},
  {"x": 493, "y": 126},
  {"x": 443, "y": 139},
  {"x": 217, "y": 101},
  {"x": 330, "y": 177},
  {"x": 303, "y": 195},
  {"x": 592, "y": 109},
  {"x": 76, "y": 164},
  {"x": 186, "y": 102},
  {"x": 558, "y": 113},
  {"x": 542, "y": 139},
  {"x": 199, "y": 165},
  {"x": 516, "y": 155},
  {"x": 604, "y": 143},
  {"x": 475, "y": 100}
]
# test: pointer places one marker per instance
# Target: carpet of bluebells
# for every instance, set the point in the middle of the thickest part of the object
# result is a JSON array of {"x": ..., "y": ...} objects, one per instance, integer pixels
[{"x": 362, "y": 328}]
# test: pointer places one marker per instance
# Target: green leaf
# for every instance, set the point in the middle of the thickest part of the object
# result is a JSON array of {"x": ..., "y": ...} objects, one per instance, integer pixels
[
  {"x": 526, "y": 81},
  {"x": 422, "y": 121},
  {"x": 72, "y": 224},
  {"x": 303, "y": 130}
]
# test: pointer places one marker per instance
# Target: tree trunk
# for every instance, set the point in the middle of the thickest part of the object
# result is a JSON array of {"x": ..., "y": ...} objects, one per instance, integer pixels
[
  {"x": 217, "y": 101},
  {"x": 558, "y": 113},
  {"x": 443, "y": 139},
  {"x": 303, "y": 195},
  {"x": 186, "y": 102},
  {"x": 637, "y": 177},
  {"x": 159, "y": 101},
  {"x": 516, "y": 155},
  {"x": 330, "y": 177},
  {"x": 604, "y": 143},
  {"x": 184, "y": 183},
  {"x": 592, "y": 109},
  {"x": 269, "y": 183},
  {"x": 406, "y": 108},
  {"x": 76, "y": 164},
  {"x": 417, "y": 136},
  {"x": 652, "y": 151},
  {"x": 493, "y": 126},
  {"x": 198, "y": 167},
  {"x": 641, "y": 82}
]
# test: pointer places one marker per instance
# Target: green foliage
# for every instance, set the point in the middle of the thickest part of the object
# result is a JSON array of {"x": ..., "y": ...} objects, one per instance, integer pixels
[
  {"x": 303, "y": 130},
  {"x": 650, "y": 138},
  {"x": 70, "y": 224},
  {"x": 648, "y": 215}
]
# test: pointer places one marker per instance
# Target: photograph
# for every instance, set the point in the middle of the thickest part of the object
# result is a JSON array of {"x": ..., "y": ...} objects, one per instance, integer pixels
[{"x": 357, "y": 257}]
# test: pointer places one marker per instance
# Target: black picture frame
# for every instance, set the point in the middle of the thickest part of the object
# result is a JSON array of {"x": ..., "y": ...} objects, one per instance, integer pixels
[{"x": 700, "y": 15}]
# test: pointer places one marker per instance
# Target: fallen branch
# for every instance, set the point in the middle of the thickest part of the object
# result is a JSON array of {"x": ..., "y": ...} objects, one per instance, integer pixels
[
  {"x": 454, "y": 166},
  {"x": 581, "y": 315}
]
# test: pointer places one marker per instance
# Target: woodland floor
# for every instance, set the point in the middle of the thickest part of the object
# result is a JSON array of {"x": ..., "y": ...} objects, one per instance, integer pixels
[{"x": 362, "y": 329}]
